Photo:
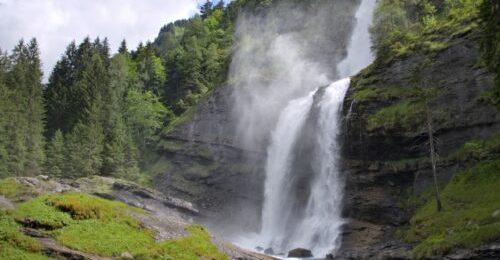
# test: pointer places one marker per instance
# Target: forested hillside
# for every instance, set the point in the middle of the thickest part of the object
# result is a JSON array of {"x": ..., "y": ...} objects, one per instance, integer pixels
[{"x": 102, "y": 111}]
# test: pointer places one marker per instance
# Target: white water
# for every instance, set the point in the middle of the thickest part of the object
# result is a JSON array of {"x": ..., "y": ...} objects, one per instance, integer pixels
[{"x": 320, "y": 225}]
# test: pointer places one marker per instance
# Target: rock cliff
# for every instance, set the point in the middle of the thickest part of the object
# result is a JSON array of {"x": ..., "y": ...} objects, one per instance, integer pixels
[{"x": 386, "y": 146}]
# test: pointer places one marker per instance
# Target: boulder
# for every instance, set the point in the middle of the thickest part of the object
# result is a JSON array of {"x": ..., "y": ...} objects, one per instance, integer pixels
[{"x": 300, "y": 253}]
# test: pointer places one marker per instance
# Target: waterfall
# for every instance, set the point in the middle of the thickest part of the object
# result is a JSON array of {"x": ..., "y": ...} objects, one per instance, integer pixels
[{"x": 304, "y": 188}]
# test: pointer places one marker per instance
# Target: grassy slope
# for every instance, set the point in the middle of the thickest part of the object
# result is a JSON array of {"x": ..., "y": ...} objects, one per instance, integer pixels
[
  {"x": 97, "y": 226},
  {"x": 471, "y": 204},
  {"x": 13, "y": 243}
]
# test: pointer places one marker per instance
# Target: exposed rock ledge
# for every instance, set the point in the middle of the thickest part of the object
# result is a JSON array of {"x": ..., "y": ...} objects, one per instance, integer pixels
[{"x": 166, "y": 215}]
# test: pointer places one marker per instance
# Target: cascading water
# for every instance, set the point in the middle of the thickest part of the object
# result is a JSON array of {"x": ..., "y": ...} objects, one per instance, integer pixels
[{"x": 289, "y": 220}]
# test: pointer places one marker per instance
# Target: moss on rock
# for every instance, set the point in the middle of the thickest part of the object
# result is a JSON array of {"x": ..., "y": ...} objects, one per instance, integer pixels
[{"x": 468, "y": 217}]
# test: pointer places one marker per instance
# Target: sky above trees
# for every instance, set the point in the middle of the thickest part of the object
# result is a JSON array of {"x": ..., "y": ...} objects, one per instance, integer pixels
[{"x": 55, "y": 23}]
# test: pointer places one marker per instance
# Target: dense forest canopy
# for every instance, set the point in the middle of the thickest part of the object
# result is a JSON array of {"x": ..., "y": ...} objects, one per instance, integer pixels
[{"x": 101, "y": 113}]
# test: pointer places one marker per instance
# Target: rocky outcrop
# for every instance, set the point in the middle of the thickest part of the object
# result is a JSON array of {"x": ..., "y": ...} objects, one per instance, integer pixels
[
  {"x": 166, "y": 217},
  {"x": 203, "y": 163},
  {"x": 383, "y": 164}
]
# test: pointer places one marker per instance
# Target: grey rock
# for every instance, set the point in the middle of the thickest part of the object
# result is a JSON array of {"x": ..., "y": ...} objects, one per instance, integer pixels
[
  {"x": 126, "y": 255},
  {"x": 300, "y": 253},
  {"x": 6, "y": 203},
  {"x": 372, "y": 193},
  {"x": 495, "y": 213}
]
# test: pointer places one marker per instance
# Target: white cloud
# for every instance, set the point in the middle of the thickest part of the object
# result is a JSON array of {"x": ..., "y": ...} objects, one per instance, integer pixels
[{"x": 55, "y": 23}]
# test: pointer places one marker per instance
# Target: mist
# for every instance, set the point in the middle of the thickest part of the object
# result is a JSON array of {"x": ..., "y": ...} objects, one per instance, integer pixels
[{"x": 282, "y": 54}]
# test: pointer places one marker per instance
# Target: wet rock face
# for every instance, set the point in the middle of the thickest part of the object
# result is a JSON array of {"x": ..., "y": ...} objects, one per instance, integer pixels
[
  {"x": 383, "y": 166},
  {"x": 300, "y": 253},
  {"x": 204, "y": 164}
]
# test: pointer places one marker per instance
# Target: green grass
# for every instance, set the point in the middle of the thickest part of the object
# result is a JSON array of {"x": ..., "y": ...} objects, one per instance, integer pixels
[
  {"x": 405, "y": 115},
  {"x": 40, "y": 213},
  {"x": 101, "y": 227},
  {"x": 13, "y": 243},
  {"x": 105, "y": 238},
  {"x": 10, "y": 188},
  {"x": 7, "y": 252},
  {"x": 467, "y": 218},
  {"x": 197, "y": 245}
]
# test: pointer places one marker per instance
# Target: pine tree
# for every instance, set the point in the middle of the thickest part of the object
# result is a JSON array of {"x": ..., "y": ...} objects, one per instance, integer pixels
[
  {"x": 16, "y": 120},
  {"x": 34, "y": 138},
  {"x": 60, "y": 96},
  {"x": 206, "y": 9},
  {"x": 4, "y": 106},
  {"x": 114, "y": 128},
  {"x": 55, "y": 163},
  {"x": 123, "y": 47}
]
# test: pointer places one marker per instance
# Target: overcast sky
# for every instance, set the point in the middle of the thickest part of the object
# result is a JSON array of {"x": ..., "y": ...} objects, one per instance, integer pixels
[{"x": 55, "y": 23}]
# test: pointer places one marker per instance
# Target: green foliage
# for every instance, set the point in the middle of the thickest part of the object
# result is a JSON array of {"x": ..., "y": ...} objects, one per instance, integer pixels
[
  {"x": 490, "y": 44},
  {"x": 197, "y": 245},
  {"x": 405, "y": 115},
  {"x": 478, "y": 149},
  {"x": 401, "y": 27},
  {"x": 385, "y": 93},
  {"x": 145, "y": 115},
  {"x": 55, "y": 155},
  {"x": 21, "y": 121},
  {"x": 196, "y": 56},
  {"x": 467, "y": 218}
]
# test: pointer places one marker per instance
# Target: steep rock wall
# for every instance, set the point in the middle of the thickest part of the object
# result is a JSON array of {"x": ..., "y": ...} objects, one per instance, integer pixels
[{"x": 385, "y": 154}]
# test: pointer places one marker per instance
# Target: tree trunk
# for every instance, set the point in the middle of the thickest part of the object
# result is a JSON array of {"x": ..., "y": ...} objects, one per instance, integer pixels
[{"x": 433, "y": 156}]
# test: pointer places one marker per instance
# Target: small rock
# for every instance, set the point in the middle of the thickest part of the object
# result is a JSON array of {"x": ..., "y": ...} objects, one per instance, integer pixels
[
  {"x": 496, "y": 213},
  {"x": 300, "y": 253},
  {"x": 269, "y": 251},
  {"x": 5, "y": 203},
  {"x": 329, "y": 257},
  {"x": 43, "y": 177},
  {"x": 259, "y": 249},
  {"x": 127, "y": 255}
]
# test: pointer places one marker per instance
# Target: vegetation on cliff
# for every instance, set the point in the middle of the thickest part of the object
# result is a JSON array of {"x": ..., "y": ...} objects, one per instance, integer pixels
[
  {"x": 413, "y": 39},
  {"x": 470, "y": 215}
]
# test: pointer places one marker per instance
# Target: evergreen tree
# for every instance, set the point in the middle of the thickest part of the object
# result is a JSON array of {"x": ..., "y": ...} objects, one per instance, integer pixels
[
  {"x": 123, "y": 47},
  {"x": 34, "y": 138},
  {"x": 55, "y": 163},
  {"x": 60, "y": 97},
  {"x": 150, "y": 70},
  {"x": 114, "y": 128},
  {"x": 83, "y": 149},
  {"x": 23, "y": 128},
  {"x": 206, "y": 9},
  {"x": 4, "y": 106}
]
